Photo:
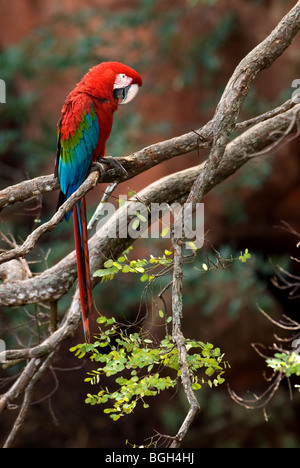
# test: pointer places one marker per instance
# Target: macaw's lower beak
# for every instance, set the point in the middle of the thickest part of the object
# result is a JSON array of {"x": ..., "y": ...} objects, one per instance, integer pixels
[{"x": 127, "y": 94}]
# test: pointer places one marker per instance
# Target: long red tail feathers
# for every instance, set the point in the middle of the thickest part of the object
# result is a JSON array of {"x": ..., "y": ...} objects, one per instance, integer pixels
[{"x": 83, "y": 265}]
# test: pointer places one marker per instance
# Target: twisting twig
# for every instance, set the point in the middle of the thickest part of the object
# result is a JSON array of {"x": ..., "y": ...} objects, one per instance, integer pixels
[
  {"x": 31, "y": 240},
  {"x": 228, "y": 109},
  {"x": 269, "y": 114}
]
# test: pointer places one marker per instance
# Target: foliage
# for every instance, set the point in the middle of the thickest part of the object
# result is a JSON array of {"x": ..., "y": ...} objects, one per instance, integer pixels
[
  {"x": 141, "y": 365},
  {"x": 147, "y": 268},
  {"x": 245, "y": 256},
  {"x": 145, "y": 366}
]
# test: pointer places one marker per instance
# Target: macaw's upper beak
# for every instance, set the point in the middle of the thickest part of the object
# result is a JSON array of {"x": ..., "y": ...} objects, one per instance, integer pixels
[{"x": 127, "y": 94}]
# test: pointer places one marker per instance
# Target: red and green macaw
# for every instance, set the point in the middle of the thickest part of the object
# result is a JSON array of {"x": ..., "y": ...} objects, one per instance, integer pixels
[{"x": 83, "y": 129}]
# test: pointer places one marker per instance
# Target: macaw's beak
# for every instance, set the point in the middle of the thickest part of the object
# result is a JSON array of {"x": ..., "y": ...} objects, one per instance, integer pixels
[{"x": 127, "y": 94}]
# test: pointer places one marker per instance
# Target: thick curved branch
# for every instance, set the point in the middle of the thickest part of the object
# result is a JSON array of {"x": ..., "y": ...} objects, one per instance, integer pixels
[
  {"x": 34, "y": 372},
  {"x": 237, "y": 88},
  {"x": 50, "y": 344},
  {"x": 27, "y": 190},
  {"x": 28, "y": 245},
  {"x": 216, "y": 131},
  {"x": 135, "y": 164}
]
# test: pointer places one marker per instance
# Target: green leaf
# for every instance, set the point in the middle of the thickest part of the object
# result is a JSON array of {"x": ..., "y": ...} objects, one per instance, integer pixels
[
  {"x": 210, "y": 371},
  {"x": 164, "y": 232},
  {"x": 140, "y": 269},
  {"x": 101, "y": 319},
  {"x": 128, "y": 269},
  {"x": 115, "y": 417},
  {"x": 107, "y": 272},
  {"x": 196, "y": 386},
  {"x": 244, "y": 257},
  {"x": 73, "y": 349},
  {"x": 131, "y": 193},
  {"x": 141, "y": 217},
  {"x": 135, "y": 224}
]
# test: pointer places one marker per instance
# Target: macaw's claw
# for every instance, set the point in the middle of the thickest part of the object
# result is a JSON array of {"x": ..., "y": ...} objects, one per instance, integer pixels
[{"x": 113, "y": 162}]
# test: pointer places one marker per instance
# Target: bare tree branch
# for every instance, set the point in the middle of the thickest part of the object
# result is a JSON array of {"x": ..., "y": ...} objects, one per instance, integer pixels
[
  {"x": 28, "y": 245},
  {"x": 237, "y": 88},
  {"x": 217, "y": 130},
  {"x": 135, "y": 164},
  {"x": 269, "y": 114},
  {"x": 37, "y": 371}
]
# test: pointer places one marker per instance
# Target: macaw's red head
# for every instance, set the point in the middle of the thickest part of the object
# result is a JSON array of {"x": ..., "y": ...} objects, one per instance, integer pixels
[{"x": 112, "y": 81}]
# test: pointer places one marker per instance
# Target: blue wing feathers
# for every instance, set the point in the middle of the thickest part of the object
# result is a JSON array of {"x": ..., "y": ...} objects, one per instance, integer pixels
[{"x": 76, "y": 155}]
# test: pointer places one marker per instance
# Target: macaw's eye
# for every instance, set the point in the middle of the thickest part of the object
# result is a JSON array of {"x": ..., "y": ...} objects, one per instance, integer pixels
[{"x": 122, "y": 80}]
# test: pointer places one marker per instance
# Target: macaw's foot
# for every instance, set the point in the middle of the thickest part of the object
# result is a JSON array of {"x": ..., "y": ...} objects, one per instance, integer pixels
[
  {"x": 113, "y": 163},
  {"x": 97, "y": 166}
]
